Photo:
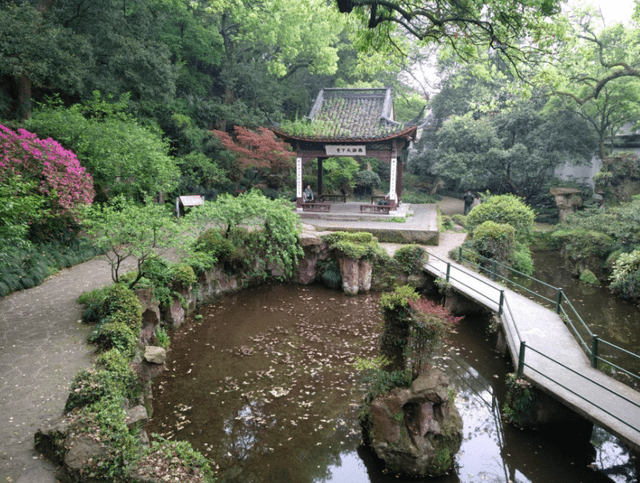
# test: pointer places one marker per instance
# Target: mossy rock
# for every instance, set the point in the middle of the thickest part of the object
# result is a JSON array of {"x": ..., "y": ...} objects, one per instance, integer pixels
[{"x": 588, "y": 277}]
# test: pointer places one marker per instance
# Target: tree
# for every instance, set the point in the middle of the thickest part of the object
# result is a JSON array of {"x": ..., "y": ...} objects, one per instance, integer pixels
[
  {"x": 514, "y": 150},
  {"x": 123, "y": 156},
  {"x": 258, "y": 151},
  {"x": 36, "y": 51},
  {"x": 499, "y": 25},
  {"x": 130, "y": 231},
  {"x": 597, "y": 77}
]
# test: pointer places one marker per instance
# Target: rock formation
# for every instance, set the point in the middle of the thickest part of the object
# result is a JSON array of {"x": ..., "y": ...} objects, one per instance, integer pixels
[{"x": 417, "y": 430}]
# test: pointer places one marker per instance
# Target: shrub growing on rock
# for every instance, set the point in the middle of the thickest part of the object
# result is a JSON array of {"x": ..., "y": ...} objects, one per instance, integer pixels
[{"x": 411, "y": 258}]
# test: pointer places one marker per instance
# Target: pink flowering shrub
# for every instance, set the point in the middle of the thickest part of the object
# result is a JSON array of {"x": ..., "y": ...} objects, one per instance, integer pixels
[{"x": 56, "y": 171}]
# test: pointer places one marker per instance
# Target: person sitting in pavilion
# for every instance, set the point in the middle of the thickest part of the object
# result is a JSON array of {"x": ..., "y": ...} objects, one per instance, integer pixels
[{"x": 307, "y": 195}]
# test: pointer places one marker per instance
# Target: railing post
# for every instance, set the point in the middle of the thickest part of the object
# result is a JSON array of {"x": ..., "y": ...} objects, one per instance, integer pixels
[
  {"x": 559, "y": 301},
  {"x": 501, "y": 302},
  {"x": 448, "y": 271},
  {"x": 460, "y": 254},
  {"x": 594, "y": 351},
  {"x": 523, "y": 346},
  {"x": 494, "y": 270}
]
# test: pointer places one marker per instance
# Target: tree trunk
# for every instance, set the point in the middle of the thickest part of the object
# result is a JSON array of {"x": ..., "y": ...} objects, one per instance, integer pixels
[{"x": 24, "y": 96}]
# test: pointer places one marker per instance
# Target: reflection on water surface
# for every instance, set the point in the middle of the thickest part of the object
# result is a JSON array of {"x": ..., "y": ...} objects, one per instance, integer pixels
[{"x": 264, "y": 385}]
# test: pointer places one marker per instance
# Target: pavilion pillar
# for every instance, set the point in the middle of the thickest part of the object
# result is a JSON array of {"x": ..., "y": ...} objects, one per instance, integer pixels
[
  {"x": 320, "y": 170},
  {"x": 399, "y": 182},
  {"x": 298, "y": 182},
  {"x": 393, "y": 174}
]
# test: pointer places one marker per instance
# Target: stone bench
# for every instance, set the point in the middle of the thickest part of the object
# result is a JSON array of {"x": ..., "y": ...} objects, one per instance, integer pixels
[
  {"x": 375, "y": 209},
  {"x": 316, "y": 206}
]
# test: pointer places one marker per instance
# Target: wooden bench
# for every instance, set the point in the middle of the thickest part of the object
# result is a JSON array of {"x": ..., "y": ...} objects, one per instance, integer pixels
[
  {"x": 316, "y": 206},
  {"x": 342, "y": 198},
  {"x": 375, "y": 209}
]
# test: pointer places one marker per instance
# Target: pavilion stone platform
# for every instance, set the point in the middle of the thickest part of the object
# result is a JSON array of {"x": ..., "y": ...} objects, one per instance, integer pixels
[{"x": 420, "y": 222}]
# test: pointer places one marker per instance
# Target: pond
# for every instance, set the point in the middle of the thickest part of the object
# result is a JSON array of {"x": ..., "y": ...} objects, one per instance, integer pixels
[
  {"x": 607, "y": 316},
  {"x": 263, "y": 384}
]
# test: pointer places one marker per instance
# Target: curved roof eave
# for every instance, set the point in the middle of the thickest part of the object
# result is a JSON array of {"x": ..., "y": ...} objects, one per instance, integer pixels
[{"x": 409, "y": 132}]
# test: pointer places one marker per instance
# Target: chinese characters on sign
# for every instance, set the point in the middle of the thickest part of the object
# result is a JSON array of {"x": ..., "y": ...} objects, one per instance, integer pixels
[{"x": 347, "y": 150}]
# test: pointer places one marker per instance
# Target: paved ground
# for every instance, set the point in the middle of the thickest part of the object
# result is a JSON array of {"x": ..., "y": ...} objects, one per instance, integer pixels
[{"x": 42, "y": 346}]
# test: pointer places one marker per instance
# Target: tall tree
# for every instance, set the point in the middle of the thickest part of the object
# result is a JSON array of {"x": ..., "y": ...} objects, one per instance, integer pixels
[{"x": 597, "y": 76}]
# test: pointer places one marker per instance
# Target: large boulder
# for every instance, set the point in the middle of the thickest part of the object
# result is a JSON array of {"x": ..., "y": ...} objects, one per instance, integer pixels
[{"x": 416, "y": 431}]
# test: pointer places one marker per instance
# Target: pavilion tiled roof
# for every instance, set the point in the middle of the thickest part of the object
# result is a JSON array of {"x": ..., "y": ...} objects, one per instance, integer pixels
[{"x": 352, "y": 115}]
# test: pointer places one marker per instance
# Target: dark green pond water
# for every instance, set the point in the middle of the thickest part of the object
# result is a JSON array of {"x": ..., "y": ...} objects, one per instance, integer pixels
[{"x": 264, "y": 385}]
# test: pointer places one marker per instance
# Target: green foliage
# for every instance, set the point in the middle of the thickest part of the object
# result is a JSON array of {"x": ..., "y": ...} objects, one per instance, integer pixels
[
  {"x": 579, "y": 243},
  {"x": 588, "y": 277},
  {"x": 520, "y": 400},
  {"x": 126, "y": 230},
  {"x": 447, "y": 223},
  {"x": 182, "y": 276},
  {"x": 379, "y": 382},
  {"x": 459, "y": 219},
  {"x": 416, "y": 197},
  {"x": 399, "y": 299},
  {"x": 111, "y": 378},
  {"x": 24, "y": 266},
  {"x": 503, "y": 209},
  {"x": 356, "y": 246},
  {"x": 331, "y": 275},
  {"x": 625, "y": 278},
  {"x": 118, "y": 314},
  {"x": 163, "y": 338},
  {"x": 271, "y": 227},
  {"x": 200, "y": 262},
  {"x": 106, "y": 417},
  {"x": 411, "y": 258},
  {"x": 494, "y": 240},
  {"x": 123, "y": 157},
  {"x": 19, "y": 204},
  {"x": 521, "y": 259},
  {"x": 176, "y": 460}
]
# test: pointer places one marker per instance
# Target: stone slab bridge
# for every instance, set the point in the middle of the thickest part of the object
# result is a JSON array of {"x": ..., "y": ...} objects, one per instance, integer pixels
[{"x": 546, "y": 353}]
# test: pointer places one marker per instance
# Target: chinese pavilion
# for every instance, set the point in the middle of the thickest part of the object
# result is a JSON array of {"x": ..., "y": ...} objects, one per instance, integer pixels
[{"x": 355, "y": 123}]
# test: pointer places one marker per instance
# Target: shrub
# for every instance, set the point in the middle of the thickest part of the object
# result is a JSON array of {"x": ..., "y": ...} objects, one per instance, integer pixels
[
  {"x": 494, "y": 240},
  {"x": 399, "y": 299},
  {"x": 354, "y": 245},
  {"x": 182, "y": 276},
  {"x": 579, "y": 243},
  {"x": 504, "y": 209},
  {"x": 176, "y": 461},
  {"x": 106, "y": 419},
  {"x": 588, "y": 277},
  {"x": 55, "y": 172},
  {"x": 111, "y": 378},
  {"x": 447, "y": 222},
  {"x": 459, "y": 219},
  {"x": 115, "y": 335},
  {"x": 411, "y": 258},
  {"x": 521, "y": 259},
  {"x": 625, "y": 279}
]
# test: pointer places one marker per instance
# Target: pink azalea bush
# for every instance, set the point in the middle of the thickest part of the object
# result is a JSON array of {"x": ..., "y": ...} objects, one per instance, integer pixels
[{"x": 57, "y": 173}]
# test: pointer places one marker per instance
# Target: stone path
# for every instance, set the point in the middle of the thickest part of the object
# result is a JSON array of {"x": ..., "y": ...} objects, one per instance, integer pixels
[{"x": 42, "y": 347}]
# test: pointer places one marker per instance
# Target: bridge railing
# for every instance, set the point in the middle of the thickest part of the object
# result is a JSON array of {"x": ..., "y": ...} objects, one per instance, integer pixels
[
  {"x": 522, "y": 364},
  {"x": 505, "y": 274},
  {"x": 515, "y": 337}
]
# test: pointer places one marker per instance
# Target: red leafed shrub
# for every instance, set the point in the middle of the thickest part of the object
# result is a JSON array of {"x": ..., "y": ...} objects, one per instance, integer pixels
[{"x": 258, "y": 150}]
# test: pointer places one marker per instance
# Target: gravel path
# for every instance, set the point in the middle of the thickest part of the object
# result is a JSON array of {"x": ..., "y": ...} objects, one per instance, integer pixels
[{"x": 42, "y": 347}]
